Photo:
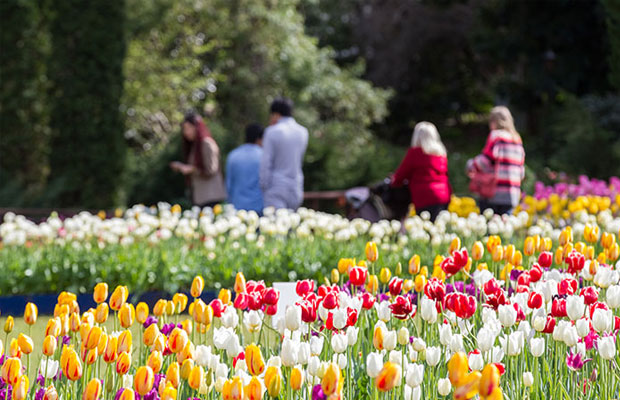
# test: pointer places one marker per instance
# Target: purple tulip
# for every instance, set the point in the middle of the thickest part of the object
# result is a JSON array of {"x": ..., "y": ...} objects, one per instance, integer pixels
[
  {"x": 575, "y": 362},
  {"x": 317, "y": 393},
  {"x": 150, "y": 321}
]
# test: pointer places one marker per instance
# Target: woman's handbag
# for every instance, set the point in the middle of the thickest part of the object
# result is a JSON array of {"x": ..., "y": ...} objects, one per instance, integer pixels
[{"x": 483, "y": 183}]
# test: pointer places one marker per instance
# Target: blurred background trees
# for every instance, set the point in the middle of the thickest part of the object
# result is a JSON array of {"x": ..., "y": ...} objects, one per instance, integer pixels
[{"x": 93, "y": 93}]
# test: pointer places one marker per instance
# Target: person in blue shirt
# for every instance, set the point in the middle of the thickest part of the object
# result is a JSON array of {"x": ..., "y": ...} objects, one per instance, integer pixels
[{"x": 242, "y": 172}]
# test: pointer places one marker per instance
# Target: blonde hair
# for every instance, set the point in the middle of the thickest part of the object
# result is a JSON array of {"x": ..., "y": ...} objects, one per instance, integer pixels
[
  {"x": 502, "y": 118},
  {"x": 426, "y": 137}
]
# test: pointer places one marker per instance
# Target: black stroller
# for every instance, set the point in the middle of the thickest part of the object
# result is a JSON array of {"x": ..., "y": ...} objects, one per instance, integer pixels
[{"x": 377, "y": 202}]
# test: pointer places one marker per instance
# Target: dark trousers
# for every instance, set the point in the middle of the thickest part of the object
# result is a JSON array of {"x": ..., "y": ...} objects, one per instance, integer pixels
[
  {"x": 434, "y": 210},
  {"x": 499, "y": 209}
]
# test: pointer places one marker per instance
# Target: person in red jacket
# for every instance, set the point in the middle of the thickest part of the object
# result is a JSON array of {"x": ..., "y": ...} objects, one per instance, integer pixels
[{"x": 425, "y": 167}]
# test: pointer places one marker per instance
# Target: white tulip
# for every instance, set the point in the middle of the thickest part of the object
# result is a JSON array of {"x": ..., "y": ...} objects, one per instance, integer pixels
[
  {"x": 433, "y": 355},
  {"x": 575, "y": 307},
  {"x": 230, "y": 319},
  {"x": 384, "y": 313},
  {"x": 252, "y": 321},
  {"x": 428, "y": 312},
  {"x": 528, "y": 379},
  {"x": 415, "y": 375},
  {"x": 127, "y": 381},
  {"x": 507, "y": 315},
  {"x": 476, "y": 362},
  {"x": 374, "y": 364},
  {"x": 607, "y": 348},
  {"x": 396, "y": 357},
  {"x": 514, "y": 344},
  {"x": 48, "y": 368},
  {"x": 497, "y": 354},
  {"x": 316, "y": 345},
  {"x": 352, "y": 334},
  {"x": 389, "y": 340},
  {"x": 583, "y": 327},
  {"x": 419, "y": 344},
  {"x": 456, "y": 343},
  {"x": 292, "y": 318},
  {"x": 613, "y": 297},
  {"x": 570, "y": 336},
  {"x": 289, "y": 352},
  {"x": 203, "y": 355},
  {"x": 303, "y": 355},
  {"x": 413, "y": 393},
  {"x": 444, "y": 386},
  {"x": 445, "y": 334},
  {"x": 537, "y": 346},
  {"x": 313, "y": 365},
  {"x": 602, "y": 320},
  {"x": 339, "y": 317},
  {"x": 339, "y": 343},
  {"x": 403, "y": 336},
  {"x": 485, "y": 339}
]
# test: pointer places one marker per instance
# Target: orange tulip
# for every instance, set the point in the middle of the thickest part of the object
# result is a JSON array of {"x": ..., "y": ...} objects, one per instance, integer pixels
[
  {"x": 30, "y": 314},
  {"x": 127, "y": 394},
  {"x": 142, "y": 312},
  {"x": 49, "y": 345},
  {"x": 198, "y": 285},
  {"x": 66, "y": 298},
  {"x": 123, "y": 363},
  {"x": 124, "y": 342},
  {"x": 109, "y": 355},
  {"x": 297, "y": 378},
  {"x": 419, "y": 283},
  {"x": 253, "y": 390},
  {"x": 11, "y": 370},
  {"x": 233, "y": 389},
  {"x": 254, "y": 360},
  {"x": 388, "y": 377},
  {"x": 93, "y": 390},
  {"x": 373, "y": 284},
  {"x": 101, "y": 313},
  {"x": 239, "y": 283},
  {"x": 14, "y": 349},
  {"x": 118, "y": 297},
  {"x": 225, "y": 296},
  {"x": 143, "y": 380},
  {"x": 377, "y": 338},
  {"x": 25, "y": 343},
  {"x": 186, "y": 353},
  {"x": 468, "y": 387},
  {"x": 103, "y": 343},
  {"x": 71, "y": 364},
  {"x": 457, "y": 368},
  {"x": 331, "y": 378},
  {"x": 155, "y": 361},
  {"x": 414, "y": 264},
  {"x": 126, "y": 315},
  {"x": 92, "y": 337},
  {"x": 74, "y": 322},
  {"x": 20, "y": 390},
  {"x": 177, "y": 340},
  {"x": 100, "y": 293},
  {"x": 160, "y": 343},
  {"x": 150, "y": 334}
]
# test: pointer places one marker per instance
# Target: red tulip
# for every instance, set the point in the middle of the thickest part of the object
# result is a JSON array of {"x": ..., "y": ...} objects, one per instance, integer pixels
[
  {"x": 520, "y": 312},
  {"x": 271, "y": 296},
  {"x": 567, "y": 286},
  {"x": 524, "y": 279},
  {"x": 304, "y": 287},
  {"x": 461, "y": 258},
  {"x": 401, "y": 308},
  {"x": 575, "y": 261},
  {"x": 351, "y": 316},
  {"x": 535, "y": 300},
  {"x": 271, "y": 310},
  {"x": 491, "y": 287},
  {"x": 590, "y": 295},
  {"x": 308, "y": 311},
  {"x": 253, "y": 286},
  {"x": 218, "y": 307},
  {"x": 558, "y": 308},
  {"x": 241, "y": 301},
  {"x": 255, "y": 301},
  {"x": 545, "y": 259},
  {"x": 449, "y": 266},
  {"x": 368, "y": 300},
  {"x": 550, "y": 325},
  {"x": 358, "y": 275},
  {"x": 330, "y": 301},
  {"x": 596, "y": 305},
  {"x": 435, "y": 290},
  {"x": 395, "y": 286},
  {"x": 536, "y": 273},
  {"x": 497, "y": 299}
]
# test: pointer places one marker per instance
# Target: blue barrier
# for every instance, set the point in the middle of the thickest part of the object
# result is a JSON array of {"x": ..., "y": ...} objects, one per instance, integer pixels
[{"x": 15, "y": 305}]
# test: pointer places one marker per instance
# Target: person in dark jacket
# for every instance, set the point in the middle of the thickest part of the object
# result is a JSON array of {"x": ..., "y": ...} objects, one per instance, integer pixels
[{"x": 425, "y": 167}]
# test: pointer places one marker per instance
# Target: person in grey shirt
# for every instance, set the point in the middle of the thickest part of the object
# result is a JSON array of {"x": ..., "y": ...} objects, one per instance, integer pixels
[{"x": 284, "y": 146}]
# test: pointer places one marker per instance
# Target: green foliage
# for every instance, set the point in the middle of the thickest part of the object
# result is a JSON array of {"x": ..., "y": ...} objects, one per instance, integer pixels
[
  {"x": 85, "y": 68},
  {"x": 612, "y": 8}
]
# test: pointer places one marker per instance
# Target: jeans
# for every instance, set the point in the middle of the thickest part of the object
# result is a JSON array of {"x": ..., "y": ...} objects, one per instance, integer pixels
[
  {"x": 434, "y": 210},
  {"x": 499, "y": 209}
]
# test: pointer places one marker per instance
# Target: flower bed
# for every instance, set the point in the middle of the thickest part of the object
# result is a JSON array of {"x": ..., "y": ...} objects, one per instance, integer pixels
[{"x": 484, "y": 318}]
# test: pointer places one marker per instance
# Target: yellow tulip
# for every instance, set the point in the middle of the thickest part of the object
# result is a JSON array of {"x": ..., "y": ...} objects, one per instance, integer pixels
[
  {"x": 372, "y": 254},
  {"x": 14, "y": 349},
  {"x": 101, "y": 313},
  {"x": 254, "y": 360},
  {"x": 20, "y": 390},
  {"x": 159, "y": 344},
  {"x": 160, "y": 308},
  {"x": 373, "y": 284},
  {"x": 93, "y": 390},
  {"x": 439, "y": 273},
  {"x": 477, "y": 250},
  {"x": 70, "y": 364},
  {"x": 377, "y": 338},
  {"x": 12, "y": 370},
  {"x": 408, "y": 284},
  {"x": 493, "y": 242},
  {"x": 50, "y": 393},
  {"x": 424, "y": 271},
  {"x": 517, "y": 258},
  {"x": 414, "y": 264},
  {"x": 127, "y": 394},
  {"x": 186, "y": 368},
  {"x": 100, "y": 293},
  {"x": 31, "y": 313},
  {"x": 142, "y": 312},
  {"x": 150, "y": 334},
  {"x": 331, "y": 378},
  {"x": 420, "y": 283},
  {"x": 92, "y": 337},
  {"x": 489, "y": 380},
  {"x": 8, "y": 325},
  {"x": 109, "y": 355},
  {"x": 143, "y": 380},
  {"x": 173, "y": 374},
  {"x": 169, "y": 308},
  {"x": 169, "y": 393},
  {"x": 297, "y": 378},
  {"x": 118, "y": 297},
  {"x": 187, "y": 326},
  {"x": 53, "y": 327},
  {"x": 180, "y": 302},
  {"x": 126, "y": 315},
  {"x": 529, "y": 247},
  {"x": 457, "y": 368},
  {"x": 455, "y": 245},
  {"x": 103, "y": 343},
  {"x": 123, "y": 363},
  {"x": 613, "y": 252},
  {"x": 345, "y": 264},
  {"x": 273, "y": 381},
  {"x": 566, "y": 236},
  {"x": 388, "y": 377},
  {"x": 49, "y": 345},
  {"x": 335, "y": 275},
  {"x": 155, "y": 361},
  {"x": 385, "y": 275},
  {"x": 124, "y": 342},
  {"x": 25, "y": 343},
  {"x": 74, "y": 322},
  {"x": 468, "y": 387},
  {"x": 198, "y": 285},
  {"x": 187, "y": 352},
  {"x": 233, "y": 389},
  {"x": 498, "y": 253},
  {"x": 253, "y": 390},
  {"x": 66, "y": 298},
  {"x": 195, "y": 377}
]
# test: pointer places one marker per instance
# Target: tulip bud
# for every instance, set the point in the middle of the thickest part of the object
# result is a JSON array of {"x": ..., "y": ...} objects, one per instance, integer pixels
[
  {"x": 372, "y": 254},
  {"x": 385, "y": 275},
  {"x": 335, "y": 275},
  {"x": 240, "y": 286},
  {"x": 100, "y": 293},
  {"x": 25, "y": 343},
  {"x": 109, "y": 355},
  {"x": 124, "y": 342},
  {"x": 225, "y": 296},
  {"x": 198, "y": 285},
  {"x": 127, "y": 394},
  {"x": 126, "y": 315},
  {"x": 49, "y": 345},
  {"x": 414, "y": 264},
  {"x": 195, "y": 377},
  {"x": 186, "y": 368},
  {"x": 30, "y": 314},
  {"x": 403, "y": 336},
  {"x": 123, "y": 363},
  {"x": 8, "y": 325},
  {"x": 528, "y": 379},
  {"x": 11, "y": 370},
  {"x": 297, "y": 378},
  {"x": 388, "y": 377},
  {"x": 173, "y": 374},
  {"x": 118, "y": 297},
  {"x": 50, "y": 393},
  {"x": 20, "y": 390},
  {"x": 155, "y": 361}
]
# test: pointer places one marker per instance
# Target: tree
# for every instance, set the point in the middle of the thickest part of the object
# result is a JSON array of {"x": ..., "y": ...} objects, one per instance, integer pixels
[{"x": 87, "y": 150}]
